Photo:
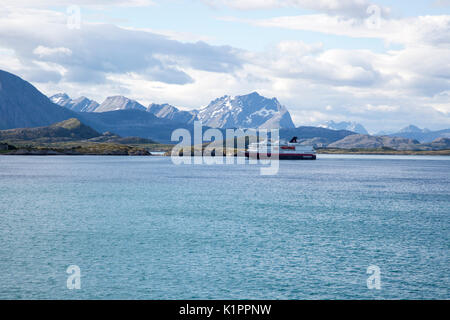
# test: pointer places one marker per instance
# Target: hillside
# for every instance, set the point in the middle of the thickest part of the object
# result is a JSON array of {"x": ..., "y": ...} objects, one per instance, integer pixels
[
  {"x": 69, "y": 130},
  {"x": 315, "y": 135},
  {"x": 22, "y": 105},
  {"x": 371, "y": 142},
  {"x": 66, "y": 131},
  {"x": 133, "y": 123},
  {"x": 71, "y": 137},
  {"x": 422, "y": 135},
  {"x": 439, "y": 144}
]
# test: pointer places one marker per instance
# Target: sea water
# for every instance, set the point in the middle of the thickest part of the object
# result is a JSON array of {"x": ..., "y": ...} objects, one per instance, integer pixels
[{"x": 144, "y": 228}]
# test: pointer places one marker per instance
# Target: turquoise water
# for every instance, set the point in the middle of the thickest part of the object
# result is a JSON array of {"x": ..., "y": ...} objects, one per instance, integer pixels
[{"x": 143, "y": 228}]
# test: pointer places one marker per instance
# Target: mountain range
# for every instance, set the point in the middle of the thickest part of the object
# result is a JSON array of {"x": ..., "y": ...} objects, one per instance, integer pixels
[
  {"x": 344, "y": 125},
  {"x": 372, "y": 142},
  {"x": 115, "y": 103},
  {"x": 23, "y": 106},
  {"x": 81, "y": 104},
  {"x": 246, "y": 111},
  {"x": 422, "y": 135},
  {"x": 167, "y": 111}
]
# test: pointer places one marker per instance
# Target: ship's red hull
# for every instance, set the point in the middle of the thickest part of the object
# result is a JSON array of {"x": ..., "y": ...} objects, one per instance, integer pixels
[{"x": 283, "y": 156}]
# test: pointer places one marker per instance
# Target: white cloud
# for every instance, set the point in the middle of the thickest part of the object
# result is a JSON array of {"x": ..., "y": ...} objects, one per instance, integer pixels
[
  {"x": 336, "y": 67},
  {"x": 42, "y": 51},
  {"x": 174, "y": 35},
  {"x": 96, "y": 50},
  {"x": 85, "y": 3},
  {"x": 343, "y": 7},
  {"x": 432, "y": 30}
]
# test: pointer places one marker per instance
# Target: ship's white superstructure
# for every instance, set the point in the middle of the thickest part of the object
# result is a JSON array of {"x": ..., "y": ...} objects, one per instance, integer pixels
[{"x": 281, "y": 150}]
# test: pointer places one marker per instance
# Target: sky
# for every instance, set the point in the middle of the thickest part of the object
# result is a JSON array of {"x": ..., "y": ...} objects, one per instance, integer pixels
[{"x": 384, "y": 64}]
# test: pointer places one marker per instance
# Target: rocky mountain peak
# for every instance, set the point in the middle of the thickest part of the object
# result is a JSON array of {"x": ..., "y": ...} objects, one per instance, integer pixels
[
  {"x": 114, "y": 103},
  {"x": 344, "y": 125},
  {"x": 245, "y": 111}
]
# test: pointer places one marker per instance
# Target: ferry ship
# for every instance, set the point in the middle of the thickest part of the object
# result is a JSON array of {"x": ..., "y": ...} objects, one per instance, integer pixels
[{"x": 291, "y": 150}]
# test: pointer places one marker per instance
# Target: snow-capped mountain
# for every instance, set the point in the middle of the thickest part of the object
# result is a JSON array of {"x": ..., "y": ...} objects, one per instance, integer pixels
[
  {"x": 81, "y": 104},
  {"x": 61, "y": 99},
  {"x": 247, "y": 111},
  {"x": 350, "y": 126},
  {"x": 170, "y": 112},
  {"x": 413, "y": 129},
  {"x": 119, "y": 103}
]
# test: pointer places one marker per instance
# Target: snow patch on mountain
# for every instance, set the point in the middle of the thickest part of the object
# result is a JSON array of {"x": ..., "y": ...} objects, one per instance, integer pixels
[
  {"x": 114, "y": 103},
  {"x": 246, "y": 111},
  {"x": 344, "y": 125},
  {"x": 81, "y": 104},
  {"x": 167, "y": 111}
]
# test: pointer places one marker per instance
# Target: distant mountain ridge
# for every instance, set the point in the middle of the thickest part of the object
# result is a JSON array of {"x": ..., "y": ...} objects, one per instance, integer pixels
[
  {"x": 440, "y": 143},
  {"x": 315, "y": 136},
  {"x": 372, "y": 142},
  {"x": 246, "y": 111},
  {"x": 422, "y": 135},
  {"x": 167, "y": 111},
  {"x": 114, "y": 103},
  {"x": 344, "y": 125},
  {"x": 81, "y": 104},
  {"x": 133, "y": 123},
  {"x": 413, "y": 129}
]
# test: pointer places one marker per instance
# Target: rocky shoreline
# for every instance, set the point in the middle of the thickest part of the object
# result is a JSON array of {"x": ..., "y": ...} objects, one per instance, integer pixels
[{"x": 49, "y": 152}]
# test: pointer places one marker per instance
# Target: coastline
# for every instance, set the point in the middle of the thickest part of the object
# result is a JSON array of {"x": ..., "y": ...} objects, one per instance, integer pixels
[
  {"x": 79, "y": 148},
  {"x": 51, "y": 152},
  {"x": 385, "y": 152}
]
